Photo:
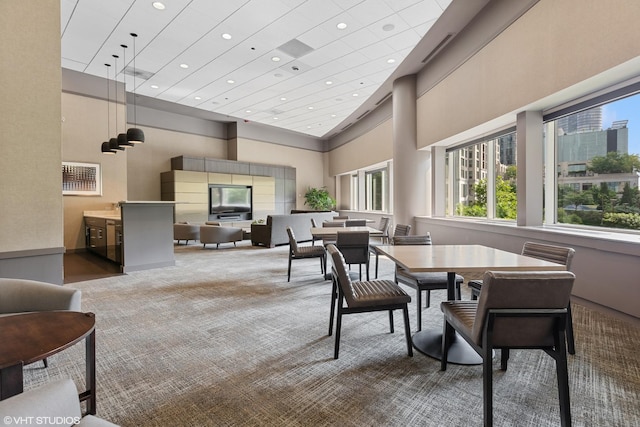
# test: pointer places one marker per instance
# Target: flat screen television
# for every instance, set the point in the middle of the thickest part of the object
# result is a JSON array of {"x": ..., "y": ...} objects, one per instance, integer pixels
[{"x": 230, "y": 201}]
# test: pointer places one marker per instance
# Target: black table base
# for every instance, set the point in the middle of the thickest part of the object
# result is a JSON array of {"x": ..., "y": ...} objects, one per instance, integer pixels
[{"x": 460, "y": 353}]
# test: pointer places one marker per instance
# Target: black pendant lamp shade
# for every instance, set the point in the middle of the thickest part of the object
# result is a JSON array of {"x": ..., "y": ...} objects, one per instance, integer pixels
[
  {"x": 123, "y": 142},
  {"x": 134, "y": 134},
  {"x": 106, "y": 149},
  {"x": 113, "y": 144}
]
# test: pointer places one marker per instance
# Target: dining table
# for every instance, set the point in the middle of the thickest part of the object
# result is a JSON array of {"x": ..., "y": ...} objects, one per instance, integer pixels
[{"x": 452, "y": 259}]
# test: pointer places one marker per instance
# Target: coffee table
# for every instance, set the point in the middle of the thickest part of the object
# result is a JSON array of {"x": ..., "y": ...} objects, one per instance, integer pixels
[
  {"x": 30, "y": 337},
  {"x": 454, "y": 259}
]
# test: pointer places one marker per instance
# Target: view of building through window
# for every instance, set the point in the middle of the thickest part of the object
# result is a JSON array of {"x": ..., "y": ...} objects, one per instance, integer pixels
[
  {"x": 483, "y": 178},
  {"x": 598, "y": 168}
]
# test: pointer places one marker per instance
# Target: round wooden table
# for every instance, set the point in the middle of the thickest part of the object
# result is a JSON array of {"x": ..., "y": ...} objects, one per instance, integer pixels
[{"x": 30, "y": 337}]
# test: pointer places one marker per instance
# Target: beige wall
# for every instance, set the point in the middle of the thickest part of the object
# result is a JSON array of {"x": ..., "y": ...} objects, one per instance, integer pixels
[
  {"x": 374, "y": 147},
  {"x": 30, "y": 187},
  {"x": 83, "y": 131},
  {"x": 555, "y": 45},
  {"x": 148, "y": 160},
  {"x": 309, "y": 164}
]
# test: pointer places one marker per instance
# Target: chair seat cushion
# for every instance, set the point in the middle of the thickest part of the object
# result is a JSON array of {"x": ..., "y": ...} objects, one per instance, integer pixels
[
  {"x": 475, "y": 284},
  {"x": 460, "y": 314},
  {"x": 376, "y": 292},
  {"x": 310, "y": 251},
  {"x": 427, "y": 279}
]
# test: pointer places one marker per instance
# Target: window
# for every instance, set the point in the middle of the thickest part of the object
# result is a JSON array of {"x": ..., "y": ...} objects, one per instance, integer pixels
[
  {"x": 376, "y": 190},
  {"x": 482, "y": 178},
  {"x": 597, "y": 165},
  {"x": 354, "y": 192}
]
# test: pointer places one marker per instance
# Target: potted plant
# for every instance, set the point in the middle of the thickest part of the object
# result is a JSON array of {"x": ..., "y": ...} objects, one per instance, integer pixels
[{"x": 319, "y": 199}]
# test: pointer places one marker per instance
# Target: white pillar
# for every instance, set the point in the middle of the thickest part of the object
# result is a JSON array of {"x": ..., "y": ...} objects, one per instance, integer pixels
[
  {"x": 409, "y": 164},
  {"x": 530, "y": 165}
]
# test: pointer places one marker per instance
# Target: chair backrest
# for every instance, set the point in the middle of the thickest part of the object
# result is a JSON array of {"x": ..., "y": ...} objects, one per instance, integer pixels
[
  {"x": 354, "y": 246},
  {"x": 521, "y": 290},
  {"x": 558, "y": 254},
  {"x": 339, "y": 265},
  {"x": 341, "y": 217},
  {"x": 293, "y": 244},
  {"x": 383, "y": 225},
  {"x": 314, "y": 223},
  {"x": 333, "y": 224},
  {"x": 402, "y": 230},
  {"x": 424, "y": 239},
  {"x": 355, "y": 223}
]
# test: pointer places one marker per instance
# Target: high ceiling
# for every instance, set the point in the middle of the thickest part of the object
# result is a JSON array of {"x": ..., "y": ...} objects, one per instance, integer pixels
[{"x": 221, "y": 56}]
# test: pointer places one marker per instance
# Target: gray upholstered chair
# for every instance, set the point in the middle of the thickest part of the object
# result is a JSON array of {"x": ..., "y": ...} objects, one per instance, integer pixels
[
  {"x": 523, "y": 310},
  {"x": 367, "y": 296},
  {"x": 22, "y": 296},
  {"x": 354, "y": 246},
  {"x": 56, "y": 401},
  {"x": 552, "y": 253},
  {"x": 400, "y": 230},
  {"x": 212, "y": 232},
  {"x": 340, "y": 217},
  {"x": 422, "y": 282},
  {"x": 355, "y": 223},
  {"x": 328, "y": 224},
  {"x": 303, "y": 252},
  {"x": 185, "y": 231}
]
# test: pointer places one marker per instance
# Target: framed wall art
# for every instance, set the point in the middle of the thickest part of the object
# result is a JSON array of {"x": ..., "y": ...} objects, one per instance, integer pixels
[{"x": 81, "y": 179}]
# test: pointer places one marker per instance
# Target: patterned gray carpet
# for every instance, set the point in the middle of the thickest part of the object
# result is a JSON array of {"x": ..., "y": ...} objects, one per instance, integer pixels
[{"x": 222, "y": 339}]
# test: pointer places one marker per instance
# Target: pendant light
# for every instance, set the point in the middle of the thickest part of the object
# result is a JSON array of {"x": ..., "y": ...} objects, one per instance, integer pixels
[
  {"x": 113, "y": 142},
  {"x": 122, "y": 137},
  {"x": 134, "y": 134},
  {"x": 105, "y": 148}
]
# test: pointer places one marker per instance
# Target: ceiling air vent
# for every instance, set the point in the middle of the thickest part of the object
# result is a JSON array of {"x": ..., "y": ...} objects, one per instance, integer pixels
[
  {"x": 384, "y": 98},
  {"x": 138, "y": 73},
  {"x": 438, "y": 48},
  {"x": 363, "y": 114},
  {"x": 295, "y": 48},
  {"x": 346, "y": 126}
]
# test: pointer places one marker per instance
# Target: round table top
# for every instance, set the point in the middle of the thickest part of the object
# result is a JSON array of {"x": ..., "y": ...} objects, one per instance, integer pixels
[{"x": 33, "y": 336}]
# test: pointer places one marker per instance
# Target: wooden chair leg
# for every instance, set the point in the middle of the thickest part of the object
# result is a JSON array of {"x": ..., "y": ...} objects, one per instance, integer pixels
[
  {"x": 407, "y": 330},
  {"x": 571, "y": 345},
  {"x": 504, "y": 358},
  {"x": 487, "y": 385},
  {"x": 419, "y": 305},
  {"x": 338, "y": 326},
  {"x": 447, "y": 331},
  {"x": 376, "y": 264},
  {"x": 289, "y": 270},
  {"x": 334, "y": 297},
  {"x": 391, "y": 330},
  {"x": 428, "y": 303},
  {"x": 46, "y": 364}
]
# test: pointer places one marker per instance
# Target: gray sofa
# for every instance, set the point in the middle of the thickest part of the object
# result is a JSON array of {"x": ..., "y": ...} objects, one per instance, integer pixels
[{"x": 274, "y": 232}]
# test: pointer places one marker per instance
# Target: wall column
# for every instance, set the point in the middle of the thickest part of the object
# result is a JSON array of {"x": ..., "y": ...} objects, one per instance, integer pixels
[
  {"x": 410, "y": 166},
  {"x": 530, "y": 176}
]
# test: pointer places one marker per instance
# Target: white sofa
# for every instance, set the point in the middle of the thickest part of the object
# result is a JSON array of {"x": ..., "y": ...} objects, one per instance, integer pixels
[
  {"x": 53, "y": 404},
  {"x": 274, "y": 232},
  {"x": 215, "y": 232}
]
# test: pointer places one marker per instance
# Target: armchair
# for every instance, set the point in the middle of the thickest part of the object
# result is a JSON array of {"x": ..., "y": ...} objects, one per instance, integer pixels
[
  {"x": 185, "y": 231},
  {"x": 55, "y": 404},
  {"x": 213, "y": 232}
]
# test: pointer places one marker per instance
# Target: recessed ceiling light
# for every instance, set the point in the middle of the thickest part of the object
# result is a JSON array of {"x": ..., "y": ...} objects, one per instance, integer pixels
[
  {"x": 333, "y": 115},
  {"x": 154, "y": 86},
  {"x": 341, "y": 26},
  {"x": 184, "y": 66},
  {"x": 283, "y": 99},
  {"x": 390, "y": 61},
  {"x": 158, "y": 5},
  {"x": 247, "y": 111},
  {"x": 226, "y": 36},
  {"x": 275, "y": 59},
  {"x": 197, "y": 98},
  {"x": 355, "y": 94},
  {"x": 275, "y": 118},
  {"x": 309, "y": 108},
  {"x": 328, "y": 82},
  {"x": 308, "y": 127},
  {"x": 231, "y": 81}
]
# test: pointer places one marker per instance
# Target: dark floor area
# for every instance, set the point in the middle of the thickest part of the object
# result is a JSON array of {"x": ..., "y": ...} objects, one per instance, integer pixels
[{"x": 81, "y": 266}]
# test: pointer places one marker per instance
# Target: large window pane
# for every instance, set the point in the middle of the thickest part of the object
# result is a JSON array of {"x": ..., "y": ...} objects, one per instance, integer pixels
[
  {"x": 598, "y": 166},
  {"x": 376, "y": 190}
]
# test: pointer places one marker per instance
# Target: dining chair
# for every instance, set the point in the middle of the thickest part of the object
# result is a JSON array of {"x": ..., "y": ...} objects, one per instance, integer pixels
[
  {"x": 422, "y": 282},
  {"x": 314, "y": 224},
  {"x": 363, "y": 297},
  {"x": 400, "y": 230},
  {"x": 355, "y": 223},
  {"x": 340, "y": 217},
  {"x": 520, "y": 310},
  {"x": 552, "y": 253},
  {"x": 303, "y": 252},
  {"x": 354, "y": 246},
  {"x": 327, "y": 224}
]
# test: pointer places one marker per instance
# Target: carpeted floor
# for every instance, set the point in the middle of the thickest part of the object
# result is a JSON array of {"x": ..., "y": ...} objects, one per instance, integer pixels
[{"x": 222, "y": 339}]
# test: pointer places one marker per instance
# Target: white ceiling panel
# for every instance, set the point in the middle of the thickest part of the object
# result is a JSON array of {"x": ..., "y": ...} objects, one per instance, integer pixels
[{"x": 190, "y": 31}]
